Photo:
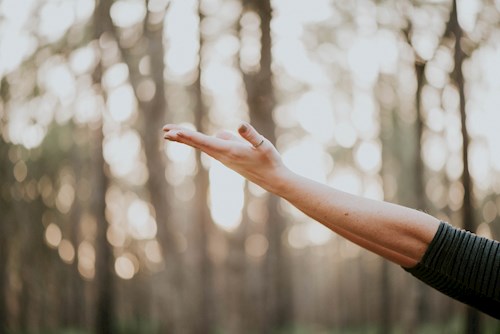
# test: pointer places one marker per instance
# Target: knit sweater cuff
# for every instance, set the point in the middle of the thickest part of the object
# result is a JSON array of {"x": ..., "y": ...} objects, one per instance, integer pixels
[{"x": 463, "y": 266}]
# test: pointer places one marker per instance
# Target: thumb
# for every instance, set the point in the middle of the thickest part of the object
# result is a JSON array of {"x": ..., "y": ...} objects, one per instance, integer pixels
[{"x": 251, "y": 135}]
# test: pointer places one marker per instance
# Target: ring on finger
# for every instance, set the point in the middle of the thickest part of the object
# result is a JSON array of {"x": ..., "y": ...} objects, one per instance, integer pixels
[{"x": 261, "y": 142}]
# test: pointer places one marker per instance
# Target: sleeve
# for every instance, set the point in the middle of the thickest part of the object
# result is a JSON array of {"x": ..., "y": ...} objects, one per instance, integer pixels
[{"x": 463, "y": 266}]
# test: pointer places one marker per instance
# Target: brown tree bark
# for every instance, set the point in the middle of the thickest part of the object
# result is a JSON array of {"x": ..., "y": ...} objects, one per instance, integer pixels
[
  {"x": 104, "y": 271},
  {"x": 261, "y": 102},
  {"x": 473, "y": 319},
  {"x": 153, "y": 117},
  {"x": 419, "y": 163},
  {"x": 5, "y": 222},
  {"x": 421, "y": 314},
  {"x": 153, "y": 114},
  {"x": 75, "y": 290},
  {"x": 386, "y": 134},
  {"x": 203, "y": 224}
]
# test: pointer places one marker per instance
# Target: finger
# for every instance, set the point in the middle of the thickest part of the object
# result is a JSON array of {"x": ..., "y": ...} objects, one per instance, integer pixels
[
  {"x": 170, "y": 127},
  {"x": 173, "y": 135},
  {"x": 198, "y": 140},
  {"x": 249, "y": 133}
]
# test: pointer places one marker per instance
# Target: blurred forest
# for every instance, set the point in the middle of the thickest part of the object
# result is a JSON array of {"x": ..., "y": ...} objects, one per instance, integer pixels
[{"x": 105, "y": 228}]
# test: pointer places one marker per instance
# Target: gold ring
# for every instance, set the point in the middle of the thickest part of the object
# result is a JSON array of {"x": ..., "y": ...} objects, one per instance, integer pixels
[{"x": 261, "y": 142}]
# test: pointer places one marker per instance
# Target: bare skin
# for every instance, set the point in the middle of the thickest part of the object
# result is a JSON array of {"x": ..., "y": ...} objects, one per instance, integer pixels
[{"x": 397, "y": 233}]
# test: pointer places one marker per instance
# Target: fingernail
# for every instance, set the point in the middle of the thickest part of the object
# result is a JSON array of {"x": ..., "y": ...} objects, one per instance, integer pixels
[{"x": 243, "y": 128}]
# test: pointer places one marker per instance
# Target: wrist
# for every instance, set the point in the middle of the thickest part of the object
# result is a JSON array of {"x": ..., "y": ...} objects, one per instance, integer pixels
[{"x": 280, "y": 181}]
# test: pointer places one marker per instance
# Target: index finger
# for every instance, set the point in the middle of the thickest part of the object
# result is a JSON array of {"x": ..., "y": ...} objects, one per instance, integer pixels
[{"x": 169, "y": 127}]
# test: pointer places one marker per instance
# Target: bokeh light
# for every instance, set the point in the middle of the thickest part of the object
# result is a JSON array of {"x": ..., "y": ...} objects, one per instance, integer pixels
[{"x": 53, "y": 235}]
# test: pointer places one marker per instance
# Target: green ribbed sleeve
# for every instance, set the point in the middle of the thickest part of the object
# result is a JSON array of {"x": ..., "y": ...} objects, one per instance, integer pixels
[{"x": 463, "y": 266}]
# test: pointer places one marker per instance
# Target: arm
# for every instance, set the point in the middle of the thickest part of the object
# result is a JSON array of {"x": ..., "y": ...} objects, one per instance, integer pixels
[{"x": 399, "y": 234}]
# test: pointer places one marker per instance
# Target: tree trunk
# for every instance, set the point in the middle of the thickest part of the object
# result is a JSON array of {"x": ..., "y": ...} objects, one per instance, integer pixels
[
  {"x": 261, "y": 102},
  {"x": 473, "y": 320},
  {"x": 4, "y": 236},
  {"x": 5, "y": 219},
  {"x": 75, "y": 293},
  {"x": 420, "y": 197},
  {"x": 385, "y": 299},
  {"x": 387, "y": 136},
  {"x": 152, "y": 116},
  {"x": 104, "y": 272},
  {"x": 3, "y": 276},
  {"x": 202, "y": 228},
  {"x": 235, "y": 266}
]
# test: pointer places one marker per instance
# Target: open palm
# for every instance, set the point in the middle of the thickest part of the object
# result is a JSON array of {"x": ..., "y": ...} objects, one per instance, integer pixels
[{"x": 251, "y": 155}]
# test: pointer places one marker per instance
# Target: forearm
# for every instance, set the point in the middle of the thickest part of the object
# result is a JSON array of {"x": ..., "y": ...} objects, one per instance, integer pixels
[{"x": 397, "y": 233}]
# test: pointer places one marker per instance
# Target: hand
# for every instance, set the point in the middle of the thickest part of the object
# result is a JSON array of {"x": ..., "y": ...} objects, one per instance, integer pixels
[{"x": 251, "y": 155}]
